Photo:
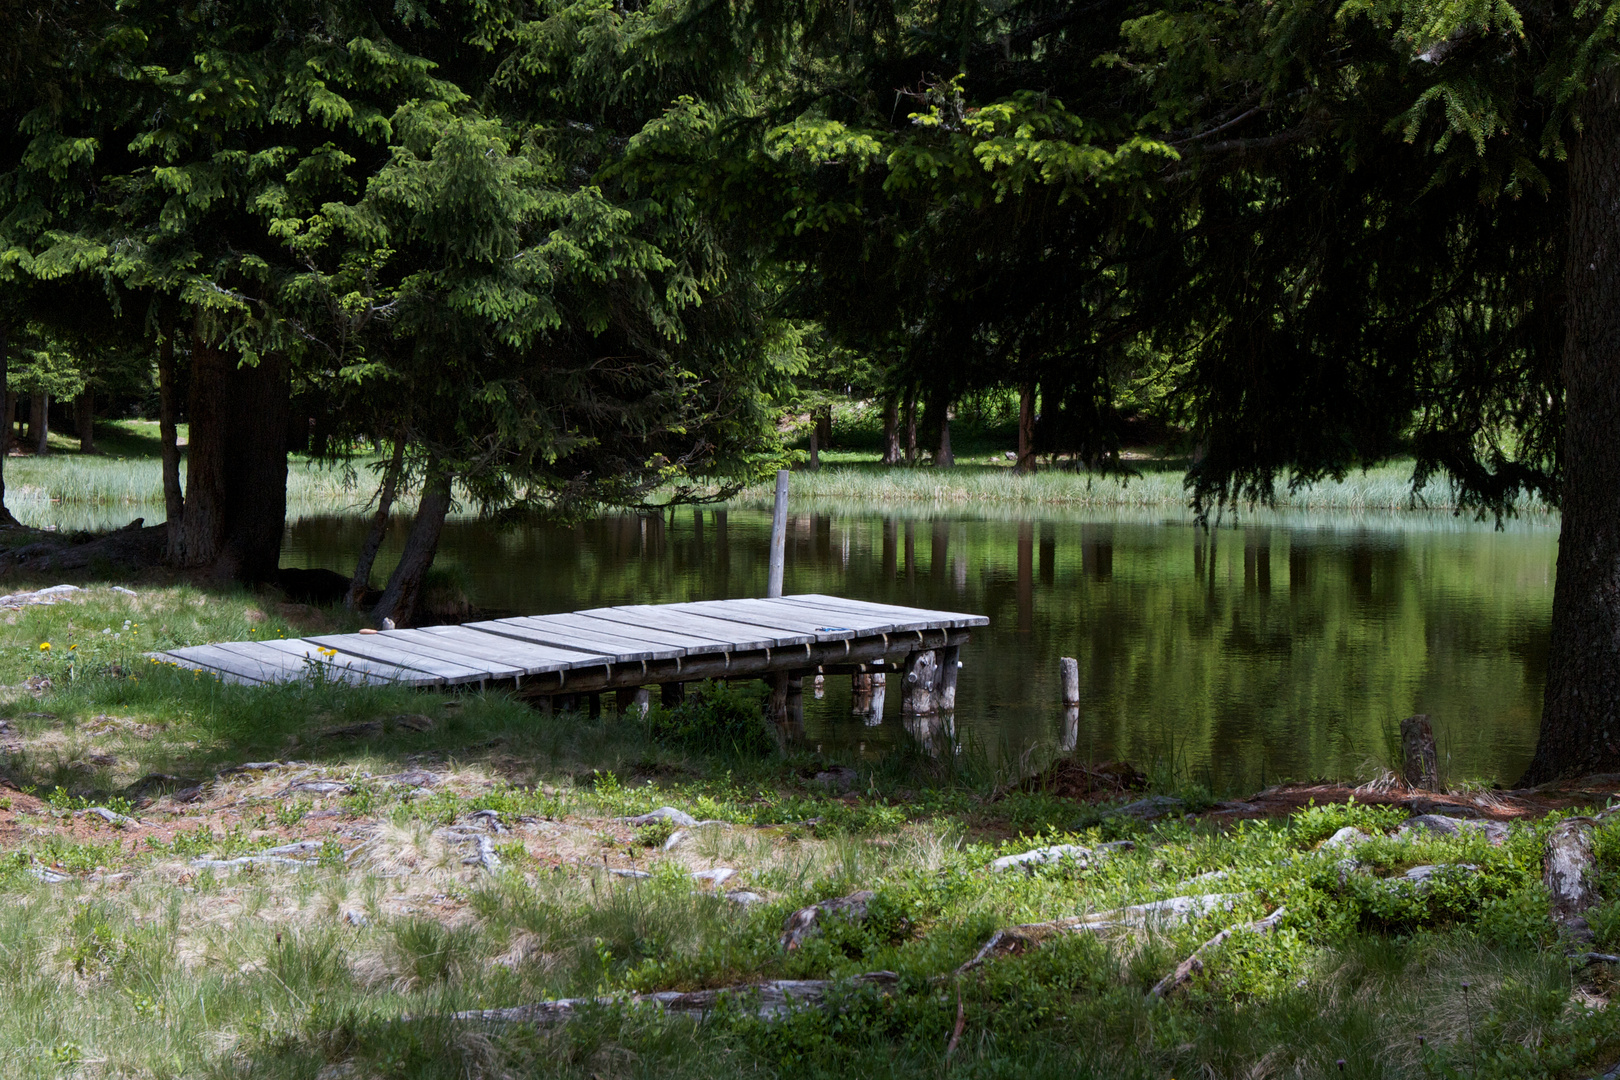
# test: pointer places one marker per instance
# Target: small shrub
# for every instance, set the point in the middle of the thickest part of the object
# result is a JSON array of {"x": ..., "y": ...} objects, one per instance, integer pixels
[{"x": 715, "y": 720}]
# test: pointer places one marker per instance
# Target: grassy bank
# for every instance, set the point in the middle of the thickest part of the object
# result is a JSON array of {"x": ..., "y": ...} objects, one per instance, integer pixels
[
  {"x": 127, "y": 950},
  {"x": 1381, "y": 489}
]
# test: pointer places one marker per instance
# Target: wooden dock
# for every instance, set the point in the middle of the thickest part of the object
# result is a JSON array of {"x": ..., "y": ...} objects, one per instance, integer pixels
[{"x": 629, "y": 649}]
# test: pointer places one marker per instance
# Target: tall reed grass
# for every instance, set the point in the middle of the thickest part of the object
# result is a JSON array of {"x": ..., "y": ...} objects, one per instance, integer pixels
[{"x": 1384, "y": 488}]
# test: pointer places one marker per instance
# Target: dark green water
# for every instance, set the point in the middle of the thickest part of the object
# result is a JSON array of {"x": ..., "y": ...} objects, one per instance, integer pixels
[{"x": 1240, "y": 655}]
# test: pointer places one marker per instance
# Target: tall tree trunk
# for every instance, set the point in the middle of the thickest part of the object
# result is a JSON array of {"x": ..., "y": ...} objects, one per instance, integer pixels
[
  {"x": 255, "y": 468},
  {"x": 937, "y": 422},
  {"x": 824, "y": 427},
  {"x": 39, "y": 425},
  {"x": 12, "y": 438},
  {"x": 891, "y": 431},
  {"x": 203, "y": 527},
  {"x": 405, "y": 583},
  {"x": 815, "y": 446},
  {"x": 174, "y": 502},
  {"x": 379, "y": 525},
  {"x": 1026, "y": 428},
  {"x": 84, "y": 419},
  {"x": 911, "y": 427},
  {"x": 10, "y": 398},
  {"x": 1580, "y": 718}
]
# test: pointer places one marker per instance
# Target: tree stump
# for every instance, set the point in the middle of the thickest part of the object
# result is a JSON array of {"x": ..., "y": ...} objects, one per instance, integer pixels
[
  {"x": 1420, "y": 765},
  {"x": 1567, "y": 871}
]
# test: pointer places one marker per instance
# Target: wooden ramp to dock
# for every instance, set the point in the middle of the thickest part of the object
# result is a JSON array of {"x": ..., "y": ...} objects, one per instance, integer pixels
[{"x": 627, "y": 649}]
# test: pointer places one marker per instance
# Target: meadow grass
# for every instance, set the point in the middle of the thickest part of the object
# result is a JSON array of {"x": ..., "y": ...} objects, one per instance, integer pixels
[
  {"x": 1383, "y": 488},
  {"x": 121, "y": 955}
]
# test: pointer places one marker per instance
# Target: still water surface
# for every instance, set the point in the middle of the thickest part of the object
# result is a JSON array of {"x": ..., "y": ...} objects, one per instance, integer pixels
[{"x": 1246, "y": 655}]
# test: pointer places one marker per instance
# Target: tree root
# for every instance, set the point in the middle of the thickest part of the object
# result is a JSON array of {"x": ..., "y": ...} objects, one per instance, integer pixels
[
  {"x": 1016, "y": 940},
  {"x": 1567, "y": 872},
  {"x": 1194, "y": 964}
]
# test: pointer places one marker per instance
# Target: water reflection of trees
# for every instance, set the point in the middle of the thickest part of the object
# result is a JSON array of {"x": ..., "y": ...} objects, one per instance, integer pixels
[{"x": 1241, "y": 650}]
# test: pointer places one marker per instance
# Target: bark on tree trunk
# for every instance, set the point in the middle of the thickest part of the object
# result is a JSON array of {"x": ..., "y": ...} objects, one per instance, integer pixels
[
  {"x": 11, "y": 401},
  {"x": 1580, "y": 718},
  {"x": 1026, "y": 429},
  {"x": 379, "y": 525},
  {"x": 203, "y": 528},
  {"x": 824, "y": 427},
  {"x": 911, "y": 427},
  {"x": 891, "y": 431},
  {"x": 815, "y": 446},
  {"x": 938, "y": 422},
  {"x": 39, "y": 426},
  {"x": 405, "y": 583},
  {"x": 84, "y": 418},
  {"x": 255, "y": 468},
  {"x": 174, "y": 502},
  {"x": 11, "y": 439}
]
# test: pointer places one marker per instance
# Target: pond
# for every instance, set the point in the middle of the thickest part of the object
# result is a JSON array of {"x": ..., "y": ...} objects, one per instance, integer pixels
[{"x": 1286, "y": 647}]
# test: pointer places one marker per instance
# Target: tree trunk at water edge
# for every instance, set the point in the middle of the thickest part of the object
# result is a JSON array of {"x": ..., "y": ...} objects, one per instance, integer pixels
[
  {"x": 7, "y": 395},
  {"x": 84, "y": 419},
  {"x": 202, "y": 529},
  {"x": 255, "y": 468},
  {"x": 39, "y": 424},
  {"x": 405, "y": 583},
  {"x": 891, "y": 431},
  {"x": 1580, "y": 719},
  {"x": 174, "y": 503},
  {"x": 379, "y": 526}
]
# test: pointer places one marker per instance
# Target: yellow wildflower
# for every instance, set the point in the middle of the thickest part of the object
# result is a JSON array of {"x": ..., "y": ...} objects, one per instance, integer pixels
[{"x": 44, "y": 646}]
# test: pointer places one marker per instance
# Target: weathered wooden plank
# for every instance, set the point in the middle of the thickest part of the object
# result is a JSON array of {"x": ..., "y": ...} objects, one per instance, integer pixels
[
  {"x": 308, "y": 661},
  {"x": 862, "y": 622},
  {"x": 738, "y": 636},
  {"x": 232, "y": 662},
  {"x": 453, "y": 670},
  {"x": 525, "y": 658},
  {"x": 955, "y": 620},
  {"x": 582, "y": 649},
  {"x": 194, "y": 664},
  {"x": 758, "y": 613},
  {"x": 587, "y": 622}
]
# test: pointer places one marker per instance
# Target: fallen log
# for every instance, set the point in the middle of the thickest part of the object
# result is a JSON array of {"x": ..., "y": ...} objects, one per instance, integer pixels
[
  {"x": 1567, "y": 872},
  {"x": 1016, "y": 940},
  {"x": 1194, "y": 964},
  {"x": 768, "y": 1000}
]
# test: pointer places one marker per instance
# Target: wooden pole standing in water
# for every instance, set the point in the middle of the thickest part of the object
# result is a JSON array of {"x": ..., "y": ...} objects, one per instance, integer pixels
[
  {"x": 1069, "y": 673},
  {"x": 773, "y": 583}
]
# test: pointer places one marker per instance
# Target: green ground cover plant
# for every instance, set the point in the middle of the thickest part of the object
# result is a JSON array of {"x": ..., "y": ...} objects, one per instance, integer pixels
[{"x": 131, "y": 945}]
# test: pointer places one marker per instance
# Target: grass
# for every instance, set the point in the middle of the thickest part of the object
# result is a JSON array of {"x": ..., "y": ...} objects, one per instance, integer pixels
[
  {"x": 1382, "y": 488},
  {"x": 67, "y": 489},
  {"x": 140, "y": 963}
]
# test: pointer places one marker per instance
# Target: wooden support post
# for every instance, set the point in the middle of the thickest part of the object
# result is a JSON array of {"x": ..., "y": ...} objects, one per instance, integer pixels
[
  {"x": 874, "y": 713},
  {"x": 776, "y": 706},
  {"x": 1071, "y": 729},
  {"x": 949, "y": 664},
  {"x": 819, "y": 686},
  {"x": 544, "y": 705},
  {"x": 921, "y": 670},
  {"x": 1420, "y": 764},
  {"x": 672, "y": 694},
  {"x": 778, "y": 554},
  {"x": 632, "y": 700},
  {"x": 566, "y": 702},
  {"x": 595, "y": 700},
  {"x": 795, "y": 698},
  {"x": 1069, "y": 675}
]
